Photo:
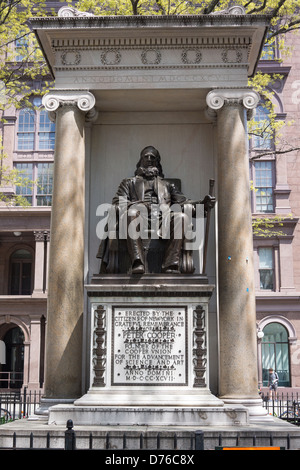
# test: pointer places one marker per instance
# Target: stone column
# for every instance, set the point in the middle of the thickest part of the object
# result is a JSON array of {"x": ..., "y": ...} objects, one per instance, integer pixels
[
  {"x": 63, "y": 371},
  {"x": 35, "y": 353},
  {"x": 39, "y": 263},
  {"x": 237, "y": 313}
]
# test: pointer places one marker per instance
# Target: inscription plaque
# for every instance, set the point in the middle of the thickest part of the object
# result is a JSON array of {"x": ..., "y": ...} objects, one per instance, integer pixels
[{"x": 149, "y": 345}]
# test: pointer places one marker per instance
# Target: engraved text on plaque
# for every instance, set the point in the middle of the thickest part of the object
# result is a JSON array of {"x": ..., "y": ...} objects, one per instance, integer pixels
[{"x": 149, "y": 345}]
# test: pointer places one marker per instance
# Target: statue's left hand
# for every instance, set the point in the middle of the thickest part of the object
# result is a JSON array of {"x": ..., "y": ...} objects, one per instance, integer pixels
[{"x": 209, "y": 202}]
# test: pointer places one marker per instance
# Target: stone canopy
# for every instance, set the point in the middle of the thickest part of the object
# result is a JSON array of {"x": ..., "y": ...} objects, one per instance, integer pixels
[
  {"x": 152, "y": 53},
  {"x": 181, "y": 81}
]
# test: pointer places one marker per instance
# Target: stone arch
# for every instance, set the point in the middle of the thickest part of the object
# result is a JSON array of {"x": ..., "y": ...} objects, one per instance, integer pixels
[{"x": 283, "y": 321}]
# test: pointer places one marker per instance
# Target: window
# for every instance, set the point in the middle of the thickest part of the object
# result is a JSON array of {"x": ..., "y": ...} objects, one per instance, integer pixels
[
  {"x": 26, "y": 129},
  {"x": 46, "y": 132},
  {"x": 21, "y": 273},
  {"x": 44, "y": 184},
  {"x": 26, "y": 174},
  {"x": 35, "y": 130},
  {"x": 266, "y": 268},
  {"x": 275, "y": 353},
  {"x": 38, "y": 183},
  {"x": 262, "y": 131},
  {"x": 263, "y": 182},
  {"x": 269, "y": 49},
  {"x": 21, "y": 48}
]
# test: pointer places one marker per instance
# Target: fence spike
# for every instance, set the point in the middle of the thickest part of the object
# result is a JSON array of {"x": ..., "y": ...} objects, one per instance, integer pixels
[
  {"x": 141, "y": 441},
  {"x": 158, "y": 441},
  {"x": 175, "y": 441},
  {"x": 107, "y": 440}
]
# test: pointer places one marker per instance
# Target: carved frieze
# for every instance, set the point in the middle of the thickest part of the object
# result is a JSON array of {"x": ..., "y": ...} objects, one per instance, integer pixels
[
  {"x": 191, "y": 56},
  {"x": 111, "y": 57},
  {"x": 162, "y": 53},
  {"x": 151, "y": 57},
  {"x": 71, "y": 57}
]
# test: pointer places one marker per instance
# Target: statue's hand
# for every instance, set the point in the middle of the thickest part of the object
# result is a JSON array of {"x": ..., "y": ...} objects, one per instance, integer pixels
[{"x": 209, "y": 202}]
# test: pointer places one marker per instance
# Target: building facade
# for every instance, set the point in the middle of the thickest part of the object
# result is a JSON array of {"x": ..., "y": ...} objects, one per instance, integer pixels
[
  {"x": 28, "y": 148},
  {"x": 28, "y": 144},
  {"x": 274, "y": 169}
]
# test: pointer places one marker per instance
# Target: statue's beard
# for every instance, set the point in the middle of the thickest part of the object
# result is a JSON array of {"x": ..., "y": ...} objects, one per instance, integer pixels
[{"x": 149, "y": 172}]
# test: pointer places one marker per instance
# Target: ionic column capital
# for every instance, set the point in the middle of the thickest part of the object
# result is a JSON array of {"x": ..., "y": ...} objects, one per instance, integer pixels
[
  {"x": 82, "y": 99},
  {"x": 220, "y": 97},
  {"x": 41, "y": 235}
]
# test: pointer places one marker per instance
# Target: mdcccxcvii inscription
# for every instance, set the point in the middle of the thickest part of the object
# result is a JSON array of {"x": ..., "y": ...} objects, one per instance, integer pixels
[{"x": 149, "y": 346}]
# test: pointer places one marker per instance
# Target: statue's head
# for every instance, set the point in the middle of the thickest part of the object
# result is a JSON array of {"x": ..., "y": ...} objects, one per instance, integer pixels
[{"x": 149, "y": 157}]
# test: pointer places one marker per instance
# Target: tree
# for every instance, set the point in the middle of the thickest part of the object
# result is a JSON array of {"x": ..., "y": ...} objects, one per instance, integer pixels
[
  {"x": 21, "y": 60},
  {"x": 284, "y": 18},
  {"x": 9, "y": 178}
]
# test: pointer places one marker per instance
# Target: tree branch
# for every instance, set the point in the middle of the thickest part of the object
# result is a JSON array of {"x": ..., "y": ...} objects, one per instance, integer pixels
[
  {"x": 276, "y": 10},
  {"x": 211, "y": 7},
  {"x": 134, "y": 4},
  {"x": 256, "y": 10},
  {"x": 274, "y": 152},
  {"x": 285, "y": 29}
]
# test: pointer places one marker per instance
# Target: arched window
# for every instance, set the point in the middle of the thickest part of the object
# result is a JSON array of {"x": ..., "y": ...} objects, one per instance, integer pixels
[
  {"x": 275, "y": 353},
  {"x": 26, "y": 129},
  {"x": 21, "y": 272}
]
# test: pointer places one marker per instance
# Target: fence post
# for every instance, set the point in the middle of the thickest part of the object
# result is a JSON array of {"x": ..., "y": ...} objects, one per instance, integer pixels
[
  {"x": 70, "y": 436},
  {"x": 199, "y": 440},
  {"x": 24, "y": 403}
]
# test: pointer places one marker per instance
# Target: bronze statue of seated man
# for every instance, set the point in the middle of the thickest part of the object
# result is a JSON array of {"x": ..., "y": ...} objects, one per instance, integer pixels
[{"x": 146, "y": 199}]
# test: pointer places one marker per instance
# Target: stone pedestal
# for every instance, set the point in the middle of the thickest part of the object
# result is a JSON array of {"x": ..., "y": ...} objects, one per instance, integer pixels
[{"x": 149, "y": 355}]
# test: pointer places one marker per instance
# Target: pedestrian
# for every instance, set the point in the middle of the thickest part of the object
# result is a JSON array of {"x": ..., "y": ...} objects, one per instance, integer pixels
[{"x": 273, "y": 384}]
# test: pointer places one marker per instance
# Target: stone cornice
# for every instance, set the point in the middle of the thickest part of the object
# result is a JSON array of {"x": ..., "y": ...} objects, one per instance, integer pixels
[
  {"x": 177, "y": 43},
  {"x": 152, "y": 21}
]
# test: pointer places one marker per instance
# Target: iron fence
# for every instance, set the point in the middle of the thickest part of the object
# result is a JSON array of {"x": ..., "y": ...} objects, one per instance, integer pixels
[
  {"x": 162, "y": 442},
  {"x": 18, "y": 405},
  {"x": 285, "y": 406}
]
